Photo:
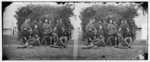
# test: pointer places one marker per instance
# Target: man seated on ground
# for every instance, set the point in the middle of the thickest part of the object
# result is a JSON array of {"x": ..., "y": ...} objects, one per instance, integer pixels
[
  {"x": 31, "y": 42},
  {"x": 99, "y": 41},
  {"x": 96, "y": 42},
  {"x": 63, "y": 41}
]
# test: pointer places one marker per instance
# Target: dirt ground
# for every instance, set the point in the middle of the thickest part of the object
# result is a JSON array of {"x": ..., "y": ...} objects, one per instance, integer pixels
[{"x": 11, "y": 52}]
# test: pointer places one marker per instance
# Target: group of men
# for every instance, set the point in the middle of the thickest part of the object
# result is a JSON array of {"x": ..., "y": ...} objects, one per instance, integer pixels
[
  {"x": 44, "y": 33},
  {"x": 109, "y": 33}
]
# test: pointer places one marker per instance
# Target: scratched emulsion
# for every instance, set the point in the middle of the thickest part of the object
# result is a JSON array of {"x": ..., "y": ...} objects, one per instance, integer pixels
[{"x": 75, "y": 21}]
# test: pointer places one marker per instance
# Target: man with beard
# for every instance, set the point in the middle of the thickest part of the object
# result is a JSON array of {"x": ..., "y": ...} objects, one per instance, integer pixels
[
  {"x": 128, "y": 38},
  {"x": 40, "y": 27},
  {"x": 126, "y": 34},
  {"x": 47, "y": 29},
  {"x": 34, "y": 39},
  {"x": 90, "y": 31},
  {"x": 104, "y": 25},
  {"x": 119, "y": 37},
  {"x": 31, "y": 42},
  {"x": 62, "y": 40},
  {"x": 124, "y": 25},
  {"x": 36, "y": 33},
  {"x": 112, "y": 30},
  {"x": 60, "y": 27},
  {"x": 99, "y": 28},
  {"x": 26, "y": 30}
]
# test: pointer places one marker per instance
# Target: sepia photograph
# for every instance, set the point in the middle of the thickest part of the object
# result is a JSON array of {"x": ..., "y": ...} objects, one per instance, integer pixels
[{"x": 74, "y": 30}]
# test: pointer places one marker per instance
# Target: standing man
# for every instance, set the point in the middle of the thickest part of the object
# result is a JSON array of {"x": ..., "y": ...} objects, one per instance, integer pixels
[
  {"x": 40, "y": 27},
  {"x": 36, "y": 33},
  {"x": 112, "y": 30},
  {"x": 99, "y": 28},
  {"x": 59, "y": 26},
  {"x": 32, "y": 23},
  {"x": 26, "y": 30},
  {"x": 90, "y": 31},
  {"x": 47, "y": 29},
  {"x": 124, "y": 26},
  {"x": 105, "y": 25}
]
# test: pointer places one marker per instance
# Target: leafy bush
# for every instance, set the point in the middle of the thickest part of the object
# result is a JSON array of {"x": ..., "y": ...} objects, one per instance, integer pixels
[
  {"x": 52, "y": 13},
  {"x": 101, "y": 12}
]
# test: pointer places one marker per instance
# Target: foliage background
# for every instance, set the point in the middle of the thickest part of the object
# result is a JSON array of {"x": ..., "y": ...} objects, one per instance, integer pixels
[
  {"x": 52, "y": 13},
  {"x": 107, "y": 12}
]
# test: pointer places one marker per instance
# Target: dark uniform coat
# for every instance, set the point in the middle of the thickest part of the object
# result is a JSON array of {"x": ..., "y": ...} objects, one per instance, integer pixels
[
  {"x": 47, "y": 28},
  {"x": 112, "y": 29},
  {"x": 26, "y": 31}
]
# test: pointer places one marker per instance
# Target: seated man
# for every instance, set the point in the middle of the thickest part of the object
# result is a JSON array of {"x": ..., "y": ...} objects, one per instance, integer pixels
[
  {"x": 119, "y": 40},
  {"x": 31, "y": 42},
  {"x": 111, "y": 40},
  {"x": 90, "y": 36},
  {"x": 128, "y": 38},
  {"x": 63, "y": 41},
  {"x": 99, "y": 41},
  {"x": 59, "y": 41},
  {"x": 54, "y": 39},
  {"x": 96, "y": 42}
]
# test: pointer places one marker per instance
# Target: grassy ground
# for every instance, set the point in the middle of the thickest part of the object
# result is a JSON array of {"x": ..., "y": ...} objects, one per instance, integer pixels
[{"x": 10, "y": 51}]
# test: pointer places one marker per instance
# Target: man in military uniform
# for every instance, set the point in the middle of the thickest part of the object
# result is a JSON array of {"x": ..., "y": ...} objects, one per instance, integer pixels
[
  {"x": 60, "y": 27},
  {"x": 119, "y": 37},
  {"x": 47, "y": 29},
  {"x": 99, "y": 41},
  {"x": 99, "y": 28},
  {"x": 55, "y": 38},
  {"x": 32, "y": 23},
  {"x": 128, "y": 38},
  {"x": 126, "y": 34},
  {"x": 63, "y": 41},
  {"x": 68, "y": 30},
  {"x": 124, "y": 25},
  {"x": 62, "y": 38},
  {"x": 31, "y": 42},
  {"x": 90, "y": 31},
  {"x": 26, "y": 30},
  {"x": 105, "y": 24},
  {"x": 112, "y": 30},
  {"x": 96, "y": 42},
  {"x": 40, "y": 27},
  {"x": 36, "y": 33}
]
